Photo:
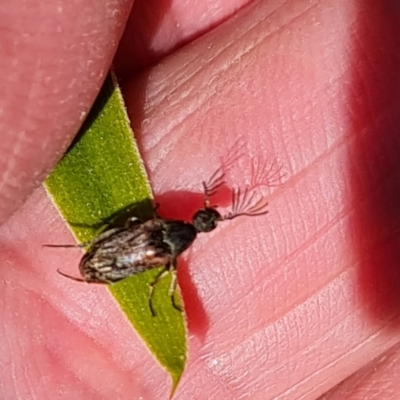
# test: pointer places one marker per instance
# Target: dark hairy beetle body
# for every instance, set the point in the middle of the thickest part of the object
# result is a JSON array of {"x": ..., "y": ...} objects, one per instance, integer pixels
[
  {"x": 122, "y": 252},
  {"x": 141, "y": 245}
]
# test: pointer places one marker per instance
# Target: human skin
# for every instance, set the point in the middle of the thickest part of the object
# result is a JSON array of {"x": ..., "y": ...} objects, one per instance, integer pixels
[{"x": 283, "y": 306}]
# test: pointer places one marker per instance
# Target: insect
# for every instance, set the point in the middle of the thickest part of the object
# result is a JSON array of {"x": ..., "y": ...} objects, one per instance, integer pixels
[{"x": 142, "y": 245}]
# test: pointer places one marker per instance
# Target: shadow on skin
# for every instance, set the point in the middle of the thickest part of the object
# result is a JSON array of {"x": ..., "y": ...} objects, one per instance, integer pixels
[{"x": 374, "y": 155}]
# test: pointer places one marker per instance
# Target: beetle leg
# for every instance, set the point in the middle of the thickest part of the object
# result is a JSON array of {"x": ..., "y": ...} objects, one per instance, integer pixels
[
  {"x": 169, "y": 268},
  {"x": 156, "y": 207},
  {"x": 164, "y": 271},
  {"x": 172, "y": 290},
  {"x": 71, "y": 277},
  {"x": 81, "y": 245}
]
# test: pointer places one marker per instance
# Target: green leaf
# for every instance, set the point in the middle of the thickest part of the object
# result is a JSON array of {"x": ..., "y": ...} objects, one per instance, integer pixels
[{"x": 102, "y": 179}]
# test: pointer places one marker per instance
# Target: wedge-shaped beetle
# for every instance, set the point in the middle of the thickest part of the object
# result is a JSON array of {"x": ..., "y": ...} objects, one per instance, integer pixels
[{"x": 141, "y": 245}]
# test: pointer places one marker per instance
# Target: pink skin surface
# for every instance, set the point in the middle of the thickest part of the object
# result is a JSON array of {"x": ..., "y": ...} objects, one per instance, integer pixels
[{"x": 297, "y": 304}]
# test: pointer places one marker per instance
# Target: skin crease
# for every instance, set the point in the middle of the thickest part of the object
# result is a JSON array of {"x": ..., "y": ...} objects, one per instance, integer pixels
[{"x": 284, "y": 306}]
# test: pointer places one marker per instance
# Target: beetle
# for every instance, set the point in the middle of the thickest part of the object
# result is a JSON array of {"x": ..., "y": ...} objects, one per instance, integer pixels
[{"x": 142, "y": 245}]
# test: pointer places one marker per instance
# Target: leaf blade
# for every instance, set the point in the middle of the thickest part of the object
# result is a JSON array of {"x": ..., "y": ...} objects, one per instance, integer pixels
[{"x": 102, "y": 179}]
